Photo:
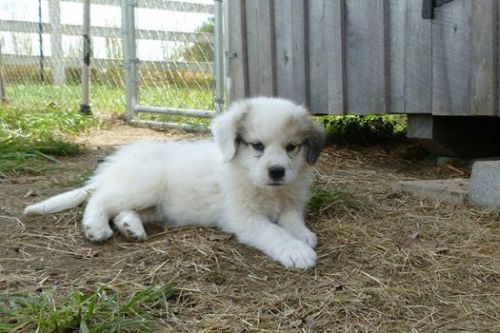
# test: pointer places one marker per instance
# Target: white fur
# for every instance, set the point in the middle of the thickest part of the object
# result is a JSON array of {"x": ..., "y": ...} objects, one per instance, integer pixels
[{"x": 226, "y": 183}]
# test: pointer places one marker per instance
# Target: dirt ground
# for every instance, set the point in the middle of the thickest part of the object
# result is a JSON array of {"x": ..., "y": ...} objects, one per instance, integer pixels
[{"x": 387, "y": 262}]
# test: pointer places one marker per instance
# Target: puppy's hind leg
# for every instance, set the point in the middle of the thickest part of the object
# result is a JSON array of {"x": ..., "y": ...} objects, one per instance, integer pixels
[
  {"x": 129, "y": 224},
  {"x": 96, "y": 221}
]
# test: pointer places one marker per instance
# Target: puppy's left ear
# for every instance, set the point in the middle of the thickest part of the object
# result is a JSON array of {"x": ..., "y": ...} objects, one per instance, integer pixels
[
  {"x": 225, "y": 129},
  {"x": 314, "y": 140}
]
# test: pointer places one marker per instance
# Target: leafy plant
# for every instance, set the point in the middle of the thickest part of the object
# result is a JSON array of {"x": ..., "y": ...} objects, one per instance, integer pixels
[
  {"x": 34, "y": 134},
  {"x": 365, "y": 129},
  {"x": 324, "y": 199},
  {"x": 104, "y": 310}
]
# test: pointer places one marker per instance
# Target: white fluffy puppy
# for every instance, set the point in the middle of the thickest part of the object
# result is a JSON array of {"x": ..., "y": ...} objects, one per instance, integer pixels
[{"x": 253, "y": 181}]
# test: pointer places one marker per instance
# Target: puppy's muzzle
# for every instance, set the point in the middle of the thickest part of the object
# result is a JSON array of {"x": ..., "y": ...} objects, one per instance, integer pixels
[{"x": 276, "y": 174}]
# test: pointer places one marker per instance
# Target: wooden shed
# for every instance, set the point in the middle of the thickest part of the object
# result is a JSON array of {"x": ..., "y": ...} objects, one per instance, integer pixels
[{"x": 434, "y": 60}]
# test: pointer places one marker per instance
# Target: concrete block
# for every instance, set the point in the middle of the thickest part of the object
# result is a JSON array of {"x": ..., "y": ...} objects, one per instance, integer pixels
[
  {"x": 484, "y": 189},
  {"x": 451, "y": 191}
]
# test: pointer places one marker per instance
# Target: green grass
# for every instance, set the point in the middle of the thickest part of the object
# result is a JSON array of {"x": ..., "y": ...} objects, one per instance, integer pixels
[
  {"x": 107, "y": 99},
  {"x": 104, "y": 310},
  {"x": 323, "y": 200},
  {"x": 365, "y": 129},
  {"x": 37, "y": 120},
  {"x": 32, "y": 134}
]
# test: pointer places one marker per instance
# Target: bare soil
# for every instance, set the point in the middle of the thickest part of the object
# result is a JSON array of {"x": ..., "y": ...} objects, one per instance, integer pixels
[{"x": 388, "y": 262}]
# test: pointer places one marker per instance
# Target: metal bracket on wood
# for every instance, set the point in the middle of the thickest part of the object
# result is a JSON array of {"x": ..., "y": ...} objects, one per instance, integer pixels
[
  {"x": 429, "y": 5},
  {"x": 128, "y": 62},
  {"x": 230, "y": 54}
]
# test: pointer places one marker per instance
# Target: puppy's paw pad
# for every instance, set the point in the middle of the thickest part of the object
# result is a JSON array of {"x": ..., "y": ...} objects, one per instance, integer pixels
[
  {"x": 130, "y": 226},
  {"x": 98, "y": 234},
  {"x": 297, "y": 255},
  {"x": 133, "y": 232}
]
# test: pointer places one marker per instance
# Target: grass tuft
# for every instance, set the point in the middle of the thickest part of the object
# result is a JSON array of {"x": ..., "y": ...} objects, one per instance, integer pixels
[
  {"x": 323, "y": 200},
  {"x": 101, "y": 311},
  {"x": 30, "y": 135}
]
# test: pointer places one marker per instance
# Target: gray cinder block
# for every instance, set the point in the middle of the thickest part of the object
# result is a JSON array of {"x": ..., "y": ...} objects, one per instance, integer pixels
[
  {"x": 484, "y": 187},
  {"x": 451, "y": 191}
]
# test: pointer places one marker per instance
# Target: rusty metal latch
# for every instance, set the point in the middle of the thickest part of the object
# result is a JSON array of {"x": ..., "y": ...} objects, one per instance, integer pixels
[{"x": 429, "y": 5}]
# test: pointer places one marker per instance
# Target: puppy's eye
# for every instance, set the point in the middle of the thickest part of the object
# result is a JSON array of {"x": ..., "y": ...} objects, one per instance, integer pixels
[
  {"x": 290, "y": 147},
  {"x": 259, "y": 146}
]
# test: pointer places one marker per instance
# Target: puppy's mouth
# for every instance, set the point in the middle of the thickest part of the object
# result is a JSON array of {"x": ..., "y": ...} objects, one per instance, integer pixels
[{"x": 276, "y": 183}]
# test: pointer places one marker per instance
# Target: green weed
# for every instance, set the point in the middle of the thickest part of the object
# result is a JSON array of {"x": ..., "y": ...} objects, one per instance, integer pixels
[
  {"x": 324, "y": 199},
  {"x": 37, "y": 134},
  {"x": 107, "y": 99},
  {"x": 101, "y": 311},
  {"x": 365, "y": 129}
]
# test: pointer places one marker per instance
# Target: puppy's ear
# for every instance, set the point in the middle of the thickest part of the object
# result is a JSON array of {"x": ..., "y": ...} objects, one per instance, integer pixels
[
  {"x": 314, "y": 140},
  {"x": 225, "y": 129}
]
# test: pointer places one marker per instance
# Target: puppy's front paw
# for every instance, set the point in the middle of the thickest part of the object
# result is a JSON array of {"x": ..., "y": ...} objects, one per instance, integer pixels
[
  {"x": 297, "y": 254},
  {"x": 95, "y": 233},
  {"x": 308, "y": 237}
]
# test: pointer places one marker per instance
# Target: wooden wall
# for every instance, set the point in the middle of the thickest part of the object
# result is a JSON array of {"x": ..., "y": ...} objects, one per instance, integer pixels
[{"x": 367, "y": 56}]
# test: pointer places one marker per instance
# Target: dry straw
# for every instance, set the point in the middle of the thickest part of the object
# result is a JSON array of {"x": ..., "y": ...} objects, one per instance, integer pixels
[{"x": 387, "y": 262}]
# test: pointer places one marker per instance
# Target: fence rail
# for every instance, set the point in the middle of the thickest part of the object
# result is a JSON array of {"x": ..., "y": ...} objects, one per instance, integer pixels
[
  {"x": 75, "y": 30},
  {"x": 174, "y": 62},
  {"x": 205, "y": 67},
  {"x": 178, "y": 6}
]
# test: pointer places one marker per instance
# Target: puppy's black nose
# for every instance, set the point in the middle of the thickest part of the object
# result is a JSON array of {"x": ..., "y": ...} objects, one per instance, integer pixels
[{"x": 276, "y": 172}]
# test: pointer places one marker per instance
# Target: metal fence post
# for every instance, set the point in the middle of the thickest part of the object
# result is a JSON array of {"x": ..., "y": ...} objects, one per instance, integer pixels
[
  {"x": 57, "y": 54},
  {"x": 219, "y": 54},
  {"x": 129, "y": 56},
  {"x": 2, "y": 87},
  {"x": 85, "y": 106}
]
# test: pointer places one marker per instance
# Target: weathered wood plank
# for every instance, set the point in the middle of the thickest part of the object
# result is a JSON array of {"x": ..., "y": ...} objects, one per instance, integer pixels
[
  {"x": 318, "y": 83},
  {"x": 497, "y": 29},
  {"x": 335, "y": 62},
  {"x": 418, "y": 61},
  {"x": 484, "y": 54},
  {"x": 397, "y": 42},
  {"x": 366, "y": 58},
  {"x": 411, "y": 56},
  {"x": 451, "y": 59},
  {"x": 238, "y": 70},
  {"x": 464, "y": 53},
  {"x": 291, "y": 78},
  {"x": 326, "y": 56},
  {"x": 260, "y": 47},
  {"x": 334, "y": 54}
]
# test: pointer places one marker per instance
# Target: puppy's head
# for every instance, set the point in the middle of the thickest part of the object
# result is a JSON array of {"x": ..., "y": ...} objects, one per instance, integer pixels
[{"x": 271, "y": 140}]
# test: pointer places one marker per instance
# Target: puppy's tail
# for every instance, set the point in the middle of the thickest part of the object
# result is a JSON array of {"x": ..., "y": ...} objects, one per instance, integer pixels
[{"x": 59, "y": 202}]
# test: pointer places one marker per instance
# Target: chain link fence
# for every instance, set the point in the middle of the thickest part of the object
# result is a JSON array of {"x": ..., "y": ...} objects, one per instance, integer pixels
[{"x": 42, "y": 49}]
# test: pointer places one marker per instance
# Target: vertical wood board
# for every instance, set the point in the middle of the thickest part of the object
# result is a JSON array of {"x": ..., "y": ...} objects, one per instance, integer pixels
[
  {"x": 368, "y": 57},
  {"x": 327, "y": 56},
  {"x": 484, "y": 55},
  {"x": 238, "y": 74},
  {"x": 366, "y": 68},
  {"x": 291, "y": 51},
  {"x": 410, "y": 58},
  {"x": 418, "y": 60},
  {"x": 260, "y": 47},
  {"x": 451, "y": 59}
]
